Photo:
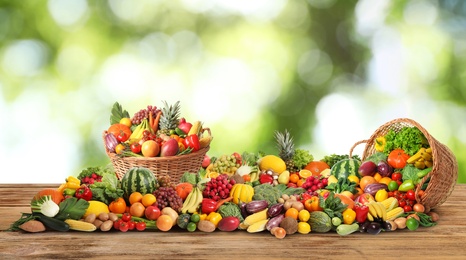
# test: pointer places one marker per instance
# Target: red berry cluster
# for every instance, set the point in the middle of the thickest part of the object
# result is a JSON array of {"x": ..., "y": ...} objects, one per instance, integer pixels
[
  {"x": 312, "y": 184},
  {"x": 218, "y": 188},
  {"x": 125, "y": 223},
  {"x": 406, "y": 200},
  {"x": 91, "y": 179}
]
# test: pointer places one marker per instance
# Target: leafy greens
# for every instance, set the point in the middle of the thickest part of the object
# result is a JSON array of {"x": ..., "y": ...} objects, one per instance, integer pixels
[{"x": 410, "y": 139}]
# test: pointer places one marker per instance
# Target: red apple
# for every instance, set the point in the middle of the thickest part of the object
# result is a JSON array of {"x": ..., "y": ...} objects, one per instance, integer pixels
[
  {"x": 152, "y": 212},
  {"x": 367, "y": 168},
  {"x": 205, "y": 161},
  {"x": 364, "y": 198}
]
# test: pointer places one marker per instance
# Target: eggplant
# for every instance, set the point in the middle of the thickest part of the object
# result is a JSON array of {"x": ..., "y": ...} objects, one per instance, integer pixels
[
  {"x": 274, "y": 210},
  {"x": 111, "y": 142},
  {"x": 363, "y": 226},
  {"x": 374, "y": 187},
  {"x": 256, "y": 206},
  {"x": 374, "y": 228},
  {"x": 274, "y": 222},
  {"x": 244, "y": 212}
]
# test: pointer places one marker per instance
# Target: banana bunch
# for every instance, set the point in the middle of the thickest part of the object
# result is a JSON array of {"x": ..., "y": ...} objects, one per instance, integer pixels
[
  {"x": 384, "y": 210},
  {"x": 255, "y": 222},
  {"x": 138, "y": 132},
  {"x": 192, "y": 201},
  {"x": 422, "y": 159}
]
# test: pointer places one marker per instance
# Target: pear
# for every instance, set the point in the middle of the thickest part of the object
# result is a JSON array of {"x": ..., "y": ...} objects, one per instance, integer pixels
[{"x": 284, "y": 177}]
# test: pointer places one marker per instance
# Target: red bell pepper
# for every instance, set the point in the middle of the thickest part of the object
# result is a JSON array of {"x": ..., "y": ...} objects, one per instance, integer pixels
[
  {"x": 361, "y": 212},
  {"x": 192, "y": 141},
  {"x": 210, "y": 205},
  {"x": 266, "y": 178},
  {"x": 83, "y": 192}
]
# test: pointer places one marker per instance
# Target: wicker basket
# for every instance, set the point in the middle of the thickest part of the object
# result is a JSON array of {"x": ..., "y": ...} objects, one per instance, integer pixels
[
  {"x": 444, "y": 172},
  {"x": 172, "y": 166}
]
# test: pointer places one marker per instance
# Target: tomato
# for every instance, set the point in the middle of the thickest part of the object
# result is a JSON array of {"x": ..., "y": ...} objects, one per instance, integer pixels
[
  {"x": 131, "y": 225},
  {"x": 397, "y": 158},
  {"x": 124, "y": 226},
  {"x": 141, "y": 226},
  {"x": 412, "y": 224},
  {"x": 116, "y": 224},
  {"x": 135, "y": 147},
  {"x": 396, "y": 176},
  {"x": 126, "y": 217},
  {"x": 407, "y": 208},
  {"x": 122, "y": 137},
  {"x": 411, "y": 195}
]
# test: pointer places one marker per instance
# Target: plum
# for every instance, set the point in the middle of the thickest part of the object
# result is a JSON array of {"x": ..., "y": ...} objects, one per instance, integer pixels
[{"x": 367, "y": 168}]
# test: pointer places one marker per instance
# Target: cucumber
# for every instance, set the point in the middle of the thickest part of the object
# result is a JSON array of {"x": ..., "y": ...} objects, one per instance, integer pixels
[{"x": 52, "y": 223}]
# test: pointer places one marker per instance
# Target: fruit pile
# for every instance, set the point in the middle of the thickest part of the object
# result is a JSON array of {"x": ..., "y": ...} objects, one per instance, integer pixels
[
  {"x": 153, "y": 132},
  {"x": 282, "y": 194}
]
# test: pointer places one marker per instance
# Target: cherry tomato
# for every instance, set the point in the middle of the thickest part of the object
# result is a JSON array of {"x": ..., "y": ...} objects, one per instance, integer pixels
[
  {"x": 126, "y": 217},
  {"x": 131, "y": 225},
  {"x": 396, "y": 176},
  {"x": 412, "y": 224},
  {"x": 116, "y": 224},
  {"x": 124, "y": 226},
  {"x": 141, "y": 226},
  {"x": 136, "y": 147},
  {"x": 411, "y": 195},
  {"x": 407, "y": 208},
  {"x": 402, "y": 203}
]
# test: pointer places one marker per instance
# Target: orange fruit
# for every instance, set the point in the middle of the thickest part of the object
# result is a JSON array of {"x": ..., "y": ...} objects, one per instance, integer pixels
[
  {"x": 150, "y": 148},
  {"x": 385, "y": 180},
  {"x": 377, "y": 177},
  {"x": 300, "y": 182},
  {"x": 137, "y": 209},
  {"x": 305, "y": 173},
  {"x": 292, "y": 212},
  {"x": 148, "y": 199},
  {"x": 366, "y": 180},
  {"x": 316, "y": 167},
  {"x": 294, "y": 178},
  {"x": 164, "y": 223},
  {"x": 135, "y": 197}
]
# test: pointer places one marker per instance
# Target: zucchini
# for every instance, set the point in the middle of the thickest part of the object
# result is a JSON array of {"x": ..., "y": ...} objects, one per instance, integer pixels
[
  {"x": 346, "y": 229},
  {"x": 52, "y": 223}
]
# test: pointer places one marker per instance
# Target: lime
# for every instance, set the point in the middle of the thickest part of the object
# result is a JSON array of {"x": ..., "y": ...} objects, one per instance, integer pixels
[
  {"x": 392, "y": 186},
  {"x": 191, "y": 227},
  {"x": 195, "y": 218}
]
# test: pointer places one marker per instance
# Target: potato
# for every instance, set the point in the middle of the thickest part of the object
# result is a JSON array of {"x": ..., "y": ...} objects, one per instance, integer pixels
[
  {"x": 206, "y": 226},
  {"x": 90, "y": 218},
  {"x": 103, "y": 216},
  {"x": 106, "y": 225}
]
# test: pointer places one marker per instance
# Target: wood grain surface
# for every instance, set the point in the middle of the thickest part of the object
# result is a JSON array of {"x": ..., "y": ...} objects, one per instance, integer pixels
[{"x": 444, "y": 241}]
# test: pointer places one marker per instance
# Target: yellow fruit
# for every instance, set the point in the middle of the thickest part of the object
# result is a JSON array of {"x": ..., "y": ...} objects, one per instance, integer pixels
[
  {"x": 305, "y": 173},
  {"x": 148, "y": 199},
  {"x": 126, "y": 121},
  {"x": 354, "y": 178},
  {"x": 304, "y": 227},
  {"x": 96, "y": 207},
  {"x": 304, "y": 215},
  {"x": 381, "y": 195},
  {"x": 272, "y": 162}
]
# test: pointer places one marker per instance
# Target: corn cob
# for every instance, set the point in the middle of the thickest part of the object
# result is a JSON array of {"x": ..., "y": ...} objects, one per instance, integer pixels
[
  {"x": 195, "y": 128},
  {"x": 205, "y": 139},
  {"x": 80, "y": 225},
  {"x": 394, "y": 213},
  {"x": 390, "y": 203}
]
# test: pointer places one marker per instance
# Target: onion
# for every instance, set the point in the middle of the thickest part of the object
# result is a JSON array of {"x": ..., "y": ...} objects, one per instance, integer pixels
[{"x": 111, "y": 142}]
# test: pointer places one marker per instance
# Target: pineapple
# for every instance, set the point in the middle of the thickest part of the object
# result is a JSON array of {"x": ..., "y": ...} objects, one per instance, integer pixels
[
  {"x": 169, "y": 119},
  {"x": 285, "y": 145}
]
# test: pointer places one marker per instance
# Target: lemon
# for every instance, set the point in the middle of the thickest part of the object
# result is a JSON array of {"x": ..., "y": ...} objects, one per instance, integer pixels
[
  {"x": 96, "y": 207},
  {"x": 304, "y": 215},
  {"x": 272, "y": 162},
  {"x": 304, "y": 227},
  {"x": 126, "y": 121}
]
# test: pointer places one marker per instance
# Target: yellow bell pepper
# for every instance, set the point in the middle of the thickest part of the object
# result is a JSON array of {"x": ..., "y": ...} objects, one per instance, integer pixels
[
  {"x": 380, "y": 143},
  {"x": 203, "y": 216},
  {"x": 214, "y": 217}
]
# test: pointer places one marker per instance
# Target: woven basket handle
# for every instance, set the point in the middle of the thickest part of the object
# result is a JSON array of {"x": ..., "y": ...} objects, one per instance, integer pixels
[
  {"x": 354, "y": 146},
  {"x": 206, "y": 129}
]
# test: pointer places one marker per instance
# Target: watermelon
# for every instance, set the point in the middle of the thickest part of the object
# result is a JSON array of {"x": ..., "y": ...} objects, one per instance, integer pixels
[
  {"x": 138, "y": 179},
  {"x": 345, "y": 168}
]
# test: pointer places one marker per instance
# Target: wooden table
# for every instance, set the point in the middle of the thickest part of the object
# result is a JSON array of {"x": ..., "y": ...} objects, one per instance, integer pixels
[{"x": 446, "y": 240}]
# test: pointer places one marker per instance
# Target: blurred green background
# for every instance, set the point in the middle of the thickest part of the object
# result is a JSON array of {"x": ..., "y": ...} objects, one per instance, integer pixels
[{"x": 331, "y": 72}]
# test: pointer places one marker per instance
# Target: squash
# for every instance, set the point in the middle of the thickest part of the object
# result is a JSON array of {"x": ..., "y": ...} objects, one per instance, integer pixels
[
  {"x": 242, "y": 193},
  {"x": 183, "y": 220},
  {"x": 320, "y": 222}
]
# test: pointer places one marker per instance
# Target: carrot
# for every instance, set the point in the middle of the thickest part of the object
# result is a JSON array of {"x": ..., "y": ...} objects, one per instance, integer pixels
[
  {"x": 155, "y": 125},
  {"x": 33, "y": 226},
  {"x": 151, "y": 120}
]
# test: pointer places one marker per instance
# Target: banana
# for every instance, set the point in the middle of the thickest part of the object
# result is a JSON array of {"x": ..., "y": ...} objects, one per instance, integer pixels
[
  {"x": 372, "y": 209},
  {"x": 188, "y": 202},
  {"x": 197, "y": 200},
  {"x": 416, "y": 156},
  {"x": 370, "y": 217},
  {"x": 429, "y": 164},
  {"x": 427, "y": 156},
  {"x": 420, "y": 164},
  {"x": 429, "y": 150},
  {"x": 383, "y": 210}
]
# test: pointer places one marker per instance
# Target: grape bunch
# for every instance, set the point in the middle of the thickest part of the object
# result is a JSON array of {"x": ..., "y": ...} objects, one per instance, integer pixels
[
  {"x": 312, "y": 184},
  {"x": 144, "y": 113},
  {"x": 218, "y": 188},
  {"x": 167, "y": 197},
  {"x": 226, "y": 164}
]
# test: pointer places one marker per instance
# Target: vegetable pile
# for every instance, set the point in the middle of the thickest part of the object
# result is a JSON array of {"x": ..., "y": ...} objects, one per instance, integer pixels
[{"x": 283, "y": 194}]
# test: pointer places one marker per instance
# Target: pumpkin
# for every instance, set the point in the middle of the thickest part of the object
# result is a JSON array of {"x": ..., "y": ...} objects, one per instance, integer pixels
[
  {"x": 57, "y": 196},
  {"x": 183, "y": 189}
]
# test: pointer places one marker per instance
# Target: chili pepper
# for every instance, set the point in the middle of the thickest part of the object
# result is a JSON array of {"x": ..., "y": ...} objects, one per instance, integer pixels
[
  {"x": 208, "y": 205},
  {"x": 69, "y": 192},
  {"x": 83, "y": 193},
  {"x": 192, "y": 141},
  {"x": 361, "y": 212},
  {"x": 180, "y": 132},
  {"x": 214, "y": 217},
  {"x": 406, "y": 185}
]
